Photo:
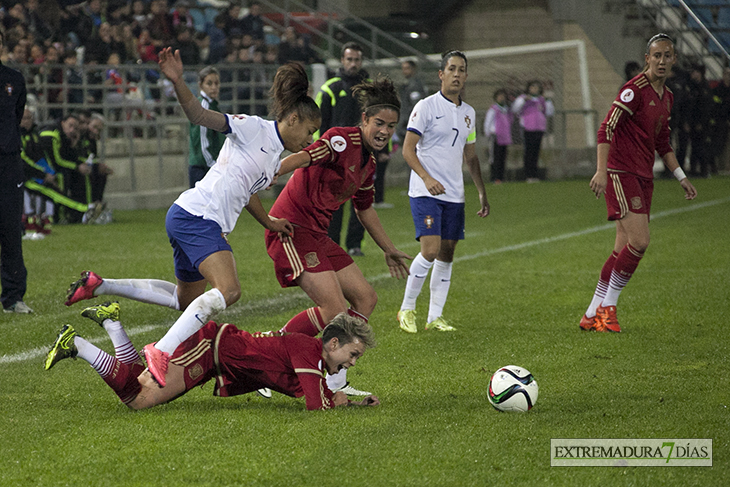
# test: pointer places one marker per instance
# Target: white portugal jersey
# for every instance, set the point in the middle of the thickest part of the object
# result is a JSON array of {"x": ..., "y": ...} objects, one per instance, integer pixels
[
  {"x": 445, "y": 128},
  {"x": 246, "y": 164}
]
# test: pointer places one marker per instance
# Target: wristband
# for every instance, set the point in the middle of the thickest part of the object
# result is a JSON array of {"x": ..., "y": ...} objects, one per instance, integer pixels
[{"x": 679, "y": 174}]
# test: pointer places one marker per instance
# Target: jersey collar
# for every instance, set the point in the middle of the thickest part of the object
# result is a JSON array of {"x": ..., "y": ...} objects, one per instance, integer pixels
[
  {"x": 444, "y": 97},
  {"x": 278, "y": 134}
]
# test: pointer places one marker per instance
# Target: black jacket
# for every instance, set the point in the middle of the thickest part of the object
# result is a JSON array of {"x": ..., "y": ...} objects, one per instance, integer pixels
[
  {"x": 339, "y": 108},
  {"x": 12, "y": 106}
]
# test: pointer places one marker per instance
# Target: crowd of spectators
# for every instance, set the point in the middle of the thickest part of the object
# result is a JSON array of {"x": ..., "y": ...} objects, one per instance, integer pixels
[{"x": 56, "y": 37}]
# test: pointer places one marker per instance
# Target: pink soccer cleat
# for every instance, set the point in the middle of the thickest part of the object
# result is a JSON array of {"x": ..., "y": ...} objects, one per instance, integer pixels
[
  {"x": 157, "y": 362},
  {"x": 83, "y": 288}
]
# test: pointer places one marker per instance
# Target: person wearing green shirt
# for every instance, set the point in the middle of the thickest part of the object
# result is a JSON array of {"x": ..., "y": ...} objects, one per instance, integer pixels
[{"x": 205, "y": 144}]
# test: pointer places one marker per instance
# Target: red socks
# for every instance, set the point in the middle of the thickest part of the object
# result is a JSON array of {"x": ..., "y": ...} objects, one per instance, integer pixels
[{"x": 308, "y": 322}]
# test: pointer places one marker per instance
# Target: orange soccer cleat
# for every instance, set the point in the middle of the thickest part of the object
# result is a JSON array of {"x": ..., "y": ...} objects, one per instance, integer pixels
[
  {"x": 607, "y": 317},
  {"x": 588, "y": 324}
]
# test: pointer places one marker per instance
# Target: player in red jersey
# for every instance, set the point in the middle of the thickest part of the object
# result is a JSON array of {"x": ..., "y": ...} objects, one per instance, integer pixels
[
  {"x": 637, "y": 125},
  {"x": 239, "y": 362},
  {"x": 337, "y": 167}
]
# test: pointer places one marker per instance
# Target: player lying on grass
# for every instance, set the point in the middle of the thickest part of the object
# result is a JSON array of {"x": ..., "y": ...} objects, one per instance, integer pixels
[{"x": 238, "y": 362}]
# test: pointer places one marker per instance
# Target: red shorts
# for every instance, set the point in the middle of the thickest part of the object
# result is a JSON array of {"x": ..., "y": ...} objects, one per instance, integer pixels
[
  {"x": 306, "y": 251},
  {"x": 197, "y": 355},
  {"x": 627, "y": 193}
]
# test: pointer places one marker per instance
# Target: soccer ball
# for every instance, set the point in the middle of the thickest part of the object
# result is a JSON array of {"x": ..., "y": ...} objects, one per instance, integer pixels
[{"x": 512, "y": 388}]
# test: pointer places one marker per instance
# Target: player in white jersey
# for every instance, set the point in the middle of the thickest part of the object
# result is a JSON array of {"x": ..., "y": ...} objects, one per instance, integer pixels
[
  {"x": 199, "y": 220},
  {"x": 441, "y": 136}
]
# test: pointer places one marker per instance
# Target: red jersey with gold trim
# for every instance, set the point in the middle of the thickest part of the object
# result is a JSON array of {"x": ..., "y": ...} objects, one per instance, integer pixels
[
  {"x": 636, "y": 126},
  {"x": 341, "y": 169},
  {"x": 240, "y": 362}
]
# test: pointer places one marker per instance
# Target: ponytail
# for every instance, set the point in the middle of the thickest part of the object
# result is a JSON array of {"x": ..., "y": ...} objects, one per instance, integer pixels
[{"x": 289, "y": 94}]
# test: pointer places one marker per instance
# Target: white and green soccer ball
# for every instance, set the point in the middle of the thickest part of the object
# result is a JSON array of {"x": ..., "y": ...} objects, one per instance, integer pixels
[{"x": 513, "y": 388}]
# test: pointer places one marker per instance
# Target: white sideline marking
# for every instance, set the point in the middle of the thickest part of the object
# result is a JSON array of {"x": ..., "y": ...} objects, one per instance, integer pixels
[{"x": 285, "y": 299}]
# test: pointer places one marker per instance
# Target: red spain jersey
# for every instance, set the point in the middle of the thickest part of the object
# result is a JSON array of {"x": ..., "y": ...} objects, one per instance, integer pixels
[
  {"x": 239, "y": 362},
  {"x": 341, "y": 169},
  {"x": 636, "y": 126}
]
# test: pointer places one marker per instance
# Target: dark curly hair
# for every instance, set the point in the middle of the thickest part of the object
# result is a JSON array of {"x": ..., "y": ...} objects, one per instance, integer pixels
[{"x": 375, "y": 95}]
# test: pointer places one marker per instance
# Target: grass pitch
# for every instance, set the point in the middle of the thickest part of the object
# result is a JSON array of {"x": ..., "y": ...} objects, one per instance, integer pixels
[{"x": 522, "y": 279}]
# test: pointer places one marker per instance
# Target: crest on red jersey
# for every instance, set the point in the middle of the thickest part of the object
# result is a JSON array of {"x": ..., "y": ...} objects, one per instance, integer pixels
[
  {"x": 338, "y": 143},
  {"x": 195, "y": 371},
  {"x": 311, "y": 259},
  {"x": 636, "y": 203}
]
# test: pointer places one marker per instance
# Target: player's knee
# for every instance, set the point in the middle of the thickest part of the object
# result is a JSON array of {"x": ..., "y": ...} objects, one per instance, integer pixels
[
  {"x": 640, "y": 243},
  {"x": 430, "y": 255},
  {"x": 231, "y": 294}
]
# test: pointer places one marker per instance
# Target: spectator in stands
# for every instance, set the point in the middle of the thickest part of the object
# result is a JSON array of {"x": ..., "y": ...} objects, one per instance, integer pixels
[
  {"x": 203, "y": 41},
  {"x": 181, "y": 15},
  {"x": 217, "y": 39},
  {"x": 102, "y": 45},
  {"x": 124, "y": 36},
  {"x": 721, "y": 119},
  {"x": 205, "y": 144},
  {"x": 53, "y": 75},
  {"x": 74, "y": 76},
  {"x": 160, "y": 24},
  {"x": 291, "y": 49},
  {"x": 189, "y": 50},
  {"x": 233, "y": 20},
  {"x": 61, "y": 148},
  {"x": 533, "y": 109},
  {"x": 120, "y": 11},
  {"x": 75, "y": 23},
  {"x": 35, "y": 22},
  {"x": 253, "y": 24},
  {"x": 498, "y": 130},
  {"x": 36, "y": 54},
  {"x": 140, "y": 17},
  {"x": 699, "y": 104},
  {"x": 147, "y": 47}
]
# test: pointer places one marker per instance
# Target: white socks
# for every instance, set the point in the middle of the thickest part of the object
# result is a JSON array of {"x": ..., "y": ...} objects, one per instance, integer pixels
[
  {"x": 440, "y": 283},
  {"x": 102, "y": 362},
  {"x": 193, "y": 319},
  {"x": 152, "y": 291},
  {"x": 336, "y": 381},
  {"x": 419, "y": 271},
  {"x": 598, "y": 296},
  {"x": 123, "y": 348}
]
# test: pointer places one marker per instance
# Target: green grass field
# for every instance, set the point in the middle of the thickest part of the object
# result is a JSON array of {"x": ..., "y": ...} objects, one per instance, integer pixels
[{"x": 522, "y": 280}]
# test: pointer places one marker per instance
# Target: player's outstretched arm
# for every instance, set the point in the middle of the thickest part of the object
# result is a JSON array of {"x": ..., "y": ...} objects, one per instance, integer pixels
[
  {"x": 256, "y": 209},
  {"x": 294, "y": 161},
  {"x": 172, "y": 67}
]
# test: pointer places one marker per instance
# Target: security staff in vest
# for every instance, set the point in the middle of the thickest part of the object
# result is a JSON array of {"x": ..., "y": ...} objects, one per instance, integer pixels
[
  {"x": 340, "y": 109},
  {"x": 13, "y": 274}
]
